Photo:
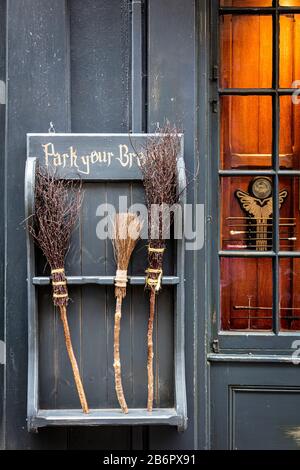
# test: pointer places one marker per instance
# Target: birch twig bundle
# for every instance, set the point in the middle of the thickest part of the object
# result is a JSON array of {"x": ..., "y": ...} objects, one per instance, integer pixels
[
  {"x": 126, "y": 232},
  {"x": 159, "y": 168},
  {"x": 57, "y": 207}
]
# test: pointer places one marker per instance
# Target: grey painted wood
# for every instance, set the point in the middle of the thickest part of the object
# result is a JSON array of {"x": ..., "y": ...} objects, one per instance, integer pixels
[
  {"x": 165, "y": 381},
  {"x": 36, "y": 57},
  {"x": 40, "y": 22},
  {"x": 137, "y": 58},
  {"x": 93, "y": 249},
  {"x": 47, "y": 350},
  {"x": 106, "y": 417},
  {"x": 249, "y": 357},
  {"x": 172, "y": 95},
  {"x": 139, "y": 325},
  {"x": 84, "y": 253},
  {"x": 105, "y": 280},
  {"x": 202, "y": 302},
  {"x": 94, "y": 346},
  {"x": 82, "y": 93},
  {"x": 138, "y": 124},
  {"x": 85, "y": 328},
  {"x": 2, "y": 153},
  {"x": 66, "y": 390},
  {"x": 255, "y": 406},
  {"x": 39, "y": 46},
  {"x": 100, "y": 59}
]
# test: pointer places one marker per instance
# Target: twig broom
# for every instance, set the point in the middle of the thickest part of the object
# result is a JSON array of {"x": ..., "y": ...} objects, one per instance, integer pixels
[
  {"x": 57, "y": 206},
  {"x": 159, "y": 168},
  {"x": 126, "y": 232}
]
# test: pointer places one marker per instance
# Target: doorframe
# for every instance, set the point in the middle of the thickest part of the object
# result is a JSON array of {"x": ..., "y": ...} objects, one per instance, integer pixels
[{"x": 203, "y": 195}]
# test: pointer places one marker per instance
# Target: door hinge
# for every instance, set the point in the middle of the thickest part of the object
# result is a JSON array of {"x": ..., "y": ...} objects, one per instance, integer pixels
[
  {"x": 214, "y": 106},
  {"x": 215, "y": 73},
  {"x": 215, "y": 346}
]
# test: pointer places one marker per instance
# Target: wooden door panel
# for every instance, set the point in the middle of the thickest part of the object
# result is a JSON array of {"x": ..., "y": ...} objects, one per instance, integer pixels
[{"x": 246, "y": 51}]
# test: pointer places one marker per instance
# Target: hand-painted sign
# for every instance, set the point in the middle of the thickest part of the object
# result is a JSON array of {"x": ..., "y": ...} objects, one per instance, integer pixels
[{"x": 89, "y": 156}]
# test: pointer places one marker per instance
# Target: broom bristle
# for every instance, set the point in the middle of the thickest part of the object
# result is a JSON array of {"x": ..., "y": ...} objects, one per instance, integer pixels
[
  {"x": 126, "y": 232},
  {"x": 159, "y": 169},
  {"x": 57, "y": 207}
]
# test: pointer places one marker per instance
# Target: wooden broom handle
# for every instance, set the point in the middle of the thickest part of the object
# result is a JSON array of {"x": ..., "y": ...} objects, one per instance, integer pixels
[
  {"x": 79, "y": 386},
  {"x": 150, "y": 350},
  {"x": 117, "y": 361}
]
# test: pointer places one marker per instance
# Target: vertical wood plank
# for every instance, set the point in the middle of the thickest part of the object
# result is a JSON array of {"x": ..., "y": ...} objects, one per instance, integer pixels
[
  {"x": 100, "y": 58},
  {"x": 67, "y": 397},
  {"x": 139, "y": 309},
  {"x": 172, "y": 95},
  {"x": 94, "y": 332},
  {"x": 100, "y": 65},
  {"x": 165, "y": 348},
  {"x": 94, "y": 349},
  {"x": 140, "y": 313},
  {"x": 47, "y": 350},
  {"x": 139, "y": 257},
  {"x": 93, "y": 249},
  {"x": 2, "y": 153},
  {"x": 37, "y": 57}
]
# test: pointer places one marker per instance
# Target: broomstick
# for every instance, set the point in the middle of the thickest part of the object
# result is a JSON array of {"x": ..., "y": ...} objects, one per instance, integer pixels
[
  {"x": 57, "y": 206},
  {"x": 126, "y": 232},
  {"x": 159, "y": 169}
]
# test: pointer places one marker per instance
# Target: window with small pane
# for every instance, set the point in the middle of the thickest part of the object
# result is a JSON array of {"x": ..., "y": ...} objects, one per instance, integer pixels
[{"x": 259, "y": 165}]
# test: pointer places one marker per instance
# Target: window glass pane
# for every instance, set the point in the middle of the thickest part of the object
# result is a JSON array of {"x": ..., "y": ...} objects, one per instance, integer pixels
[
  {"x": 289, "y": 293},
  {"x": 246, "y": 51},
  {"x": 289, "y": 50},
  {"x": 245, "y": 3},
  {"x": 246, "y": 213},
  {"x": 289, "y": 138},
  {"x": 246, "y": 293},
  {"x": 246, "y": 132},
  {"x": 289, "y": 202},
  {"x": 289, "y": 3}
]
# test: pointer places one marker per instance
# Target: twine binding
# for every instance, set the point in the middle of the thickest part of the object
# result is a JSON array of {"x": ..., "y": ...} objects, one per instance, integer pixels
[
  {"x": 155, "y": 250},
  {"x": 121, "y": 278},
  {"x": 56, "y": 271},
  {"x": 154, "y": 282},
  {"x": 59, "y": 284}
]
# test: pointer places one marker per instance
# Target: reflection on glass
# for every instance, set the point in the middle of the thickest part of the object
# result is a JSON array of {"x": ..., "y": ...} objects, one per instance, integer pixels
[
  {"x": 287, "y": 3},
  {"x": 289, "y": 50},
  {"x": 246, "y": 132},
  {"x": 246, "y": 293},
  {"x": 246, "y": 3},
  {"x": 246, "y": 213},
  {"x": 289, "y": 306},
  {"x": 289, "y": 202},
  {"x": 246, "y": 51}
]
